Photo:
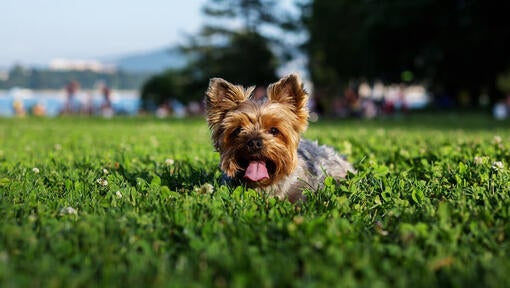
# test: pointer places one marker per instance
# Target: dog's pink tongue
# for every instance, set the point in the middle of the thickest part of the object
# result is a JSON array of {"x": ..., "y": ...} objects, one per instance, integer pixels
[{"x": 256, "y": 171}]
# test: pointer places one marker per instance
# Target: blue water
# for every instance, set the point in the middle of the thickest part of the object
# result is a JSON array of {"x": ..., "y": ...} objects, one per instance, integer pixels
[{"x": 127, "y": 103}]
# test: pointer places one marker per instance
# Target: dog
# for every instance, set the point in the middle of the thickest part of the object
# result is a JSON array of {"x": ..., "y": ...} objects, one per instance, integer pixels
[{"x": 260, "y": 143}]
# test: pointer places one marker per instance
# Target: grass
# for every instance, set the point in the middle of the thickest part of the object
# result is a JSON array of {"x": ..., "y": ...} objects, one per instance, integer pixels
[{"x": 136, "y": 202}]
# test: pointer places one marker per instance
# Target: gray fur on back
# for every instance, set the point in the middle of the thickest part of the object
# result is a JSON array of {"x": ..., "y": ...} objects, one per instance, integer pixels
[{"x": 322, "y": 161}]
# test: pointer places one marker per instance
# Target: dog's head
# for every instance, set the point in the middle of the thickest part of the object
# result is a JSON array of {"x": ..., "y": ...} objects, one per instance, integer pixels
[{"x": 257, "y": 140}]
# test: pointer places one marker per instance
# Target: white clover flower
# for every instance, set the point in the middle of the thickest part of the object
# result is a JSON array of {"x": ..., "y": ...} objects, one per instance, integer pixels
[
  {"x": 379, "y": 228},
  {"x": 205, "y": 189},
  {"x": 35, "y": 170},
  {"x": 32, "y": 218},
  {"x": 118, "y": 194},
  {"x": 102, "y": 182},
  {"x": 298, "y": 220},
  {"x": 404, "y": 153},
  {"x": 478, "y": 160},
  {"x": 68, "y": 211},
  {"x": 497, "y": 165},
  {"x": 208, "y": 188},
  {"x": 169, "y": 162},
  {"x": 497, "y": 139},
  {"x": 105, "y": 171}
]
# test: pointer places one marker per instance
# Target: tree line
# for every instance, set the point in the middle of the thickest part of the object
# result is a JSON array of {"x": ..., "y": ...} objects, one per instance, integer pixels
[
  {"x": 38, "y": 78},
  {"x": 452, "y": 47}
]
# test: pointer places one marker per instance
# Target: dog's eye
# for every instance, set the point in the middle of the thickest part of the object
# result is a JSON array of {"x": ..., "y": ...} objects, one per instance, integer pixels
[
  {"x": 274, "y": 131},
  {"x": 236, "y": 132}
]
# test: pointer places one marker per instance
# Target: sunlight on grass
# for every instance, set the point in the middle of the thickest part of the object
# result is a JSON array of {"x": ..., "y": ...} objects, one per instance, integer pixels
[{"x": 86, "y": 202}]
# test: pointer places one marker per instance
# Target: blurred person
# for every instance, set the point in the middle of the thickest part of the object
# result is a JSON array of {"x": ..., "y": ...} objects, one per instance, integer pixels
[
  {"x": 163, "y": 110},
  {"x": 353, "y": 102},
  {"x": 340, "y": 107},
  {"x": 364, "y": 90},
  {"x": 72, "y": 104},
  {"x": 88, "y": 106},
  {"x": 178, "y": 109},
  {"x": 194, "y": 108},
  {"x": 378, "y": 96},
  {"x": 501, "y": 109},
  {"x": 368, "y": 108},
  {"x": 19, "y": 108},
  {"x": 106, "y": 107},
  {"x": 399, "y": 103},
  {"x": 39, "y": 109}
]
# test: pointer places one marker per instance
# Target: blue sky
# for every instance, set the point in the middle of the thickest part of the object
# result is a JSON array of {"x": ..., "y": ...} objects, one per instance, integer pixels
[{"x": 37, "y": 31}]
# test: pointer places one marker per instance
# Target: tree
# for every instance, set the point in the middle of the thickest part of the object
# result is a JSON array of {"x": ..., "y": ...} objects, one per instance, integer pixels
[
  {"x": 455, "y": 45},
  {"x": 159, "y": 89},
  {"x": 244, "y": 59},
  {"x": 240, "y": 42},
  {"x": 156, "y": 91},
  {"x": 37, "y": 78}
]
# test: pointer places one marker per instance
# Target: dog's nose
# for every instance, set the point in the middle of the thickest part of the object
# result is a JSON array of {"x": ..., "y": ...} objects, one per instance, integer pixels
[{"x": 255, "y": 144}]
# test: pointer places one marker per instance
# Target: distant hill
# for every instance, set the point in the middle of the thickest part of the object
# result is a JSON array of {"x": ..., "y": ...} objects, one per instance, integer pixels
[
  {"x": 150, "y": 62},
  {"x": 133, "y": 70}
]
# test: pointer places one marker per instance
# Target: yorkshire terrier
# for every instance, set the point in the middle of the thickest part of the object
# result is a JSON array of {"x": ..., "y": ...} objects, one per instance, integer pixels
[{"x": 259, "y": 140}]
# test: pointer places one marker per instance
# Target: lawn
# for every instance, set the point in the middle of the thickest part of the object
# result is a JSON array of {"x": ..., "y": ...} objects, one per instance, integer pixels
[{"x": 136, "y": 202}]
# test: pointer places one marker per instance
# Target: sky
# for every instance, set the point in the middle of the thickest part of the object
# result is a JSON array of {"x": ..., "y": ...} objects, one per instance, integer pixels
[{"x": 33, "y": 32}]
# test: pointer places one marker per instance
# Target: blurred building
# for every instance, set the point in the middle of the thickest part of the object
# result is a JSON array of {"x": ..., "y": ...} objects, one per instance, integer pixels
[{"x": 80, "y": 65}]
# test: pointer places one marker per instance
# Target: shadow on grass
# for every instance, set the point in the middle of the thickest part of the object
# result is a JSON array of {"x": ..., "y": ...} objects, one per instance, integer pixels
[{"x": 181, "y": 176}]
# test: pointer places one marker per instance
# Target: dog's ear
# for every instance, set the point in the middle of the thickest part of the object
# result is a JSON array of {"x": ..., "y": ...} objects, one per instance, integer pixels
[
  {"x": 289, "y": 91},
  {"x": 221, "y": 97}
]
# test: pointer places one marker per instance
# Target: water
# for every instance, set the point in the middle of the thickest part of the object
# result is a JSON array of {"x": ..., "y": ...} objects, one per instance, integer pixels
[{"x": 126, "y": 102}]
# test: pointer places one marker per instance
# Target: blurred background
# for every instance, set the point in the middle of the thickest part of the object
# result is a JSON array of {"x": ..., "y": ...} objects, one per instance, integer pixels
[{"x": 358, "y": 58}]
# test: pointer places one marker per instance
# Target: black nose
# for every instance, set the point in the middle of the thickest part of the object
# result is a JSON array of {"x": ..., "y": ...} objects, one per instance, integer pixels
[{"x": 255, "y": 144}]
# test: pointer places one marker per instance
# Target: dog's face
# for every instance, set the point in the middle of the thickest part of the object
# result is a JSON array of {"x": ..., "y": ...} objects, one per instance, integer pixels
[{"x": 257, "y": 141}]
